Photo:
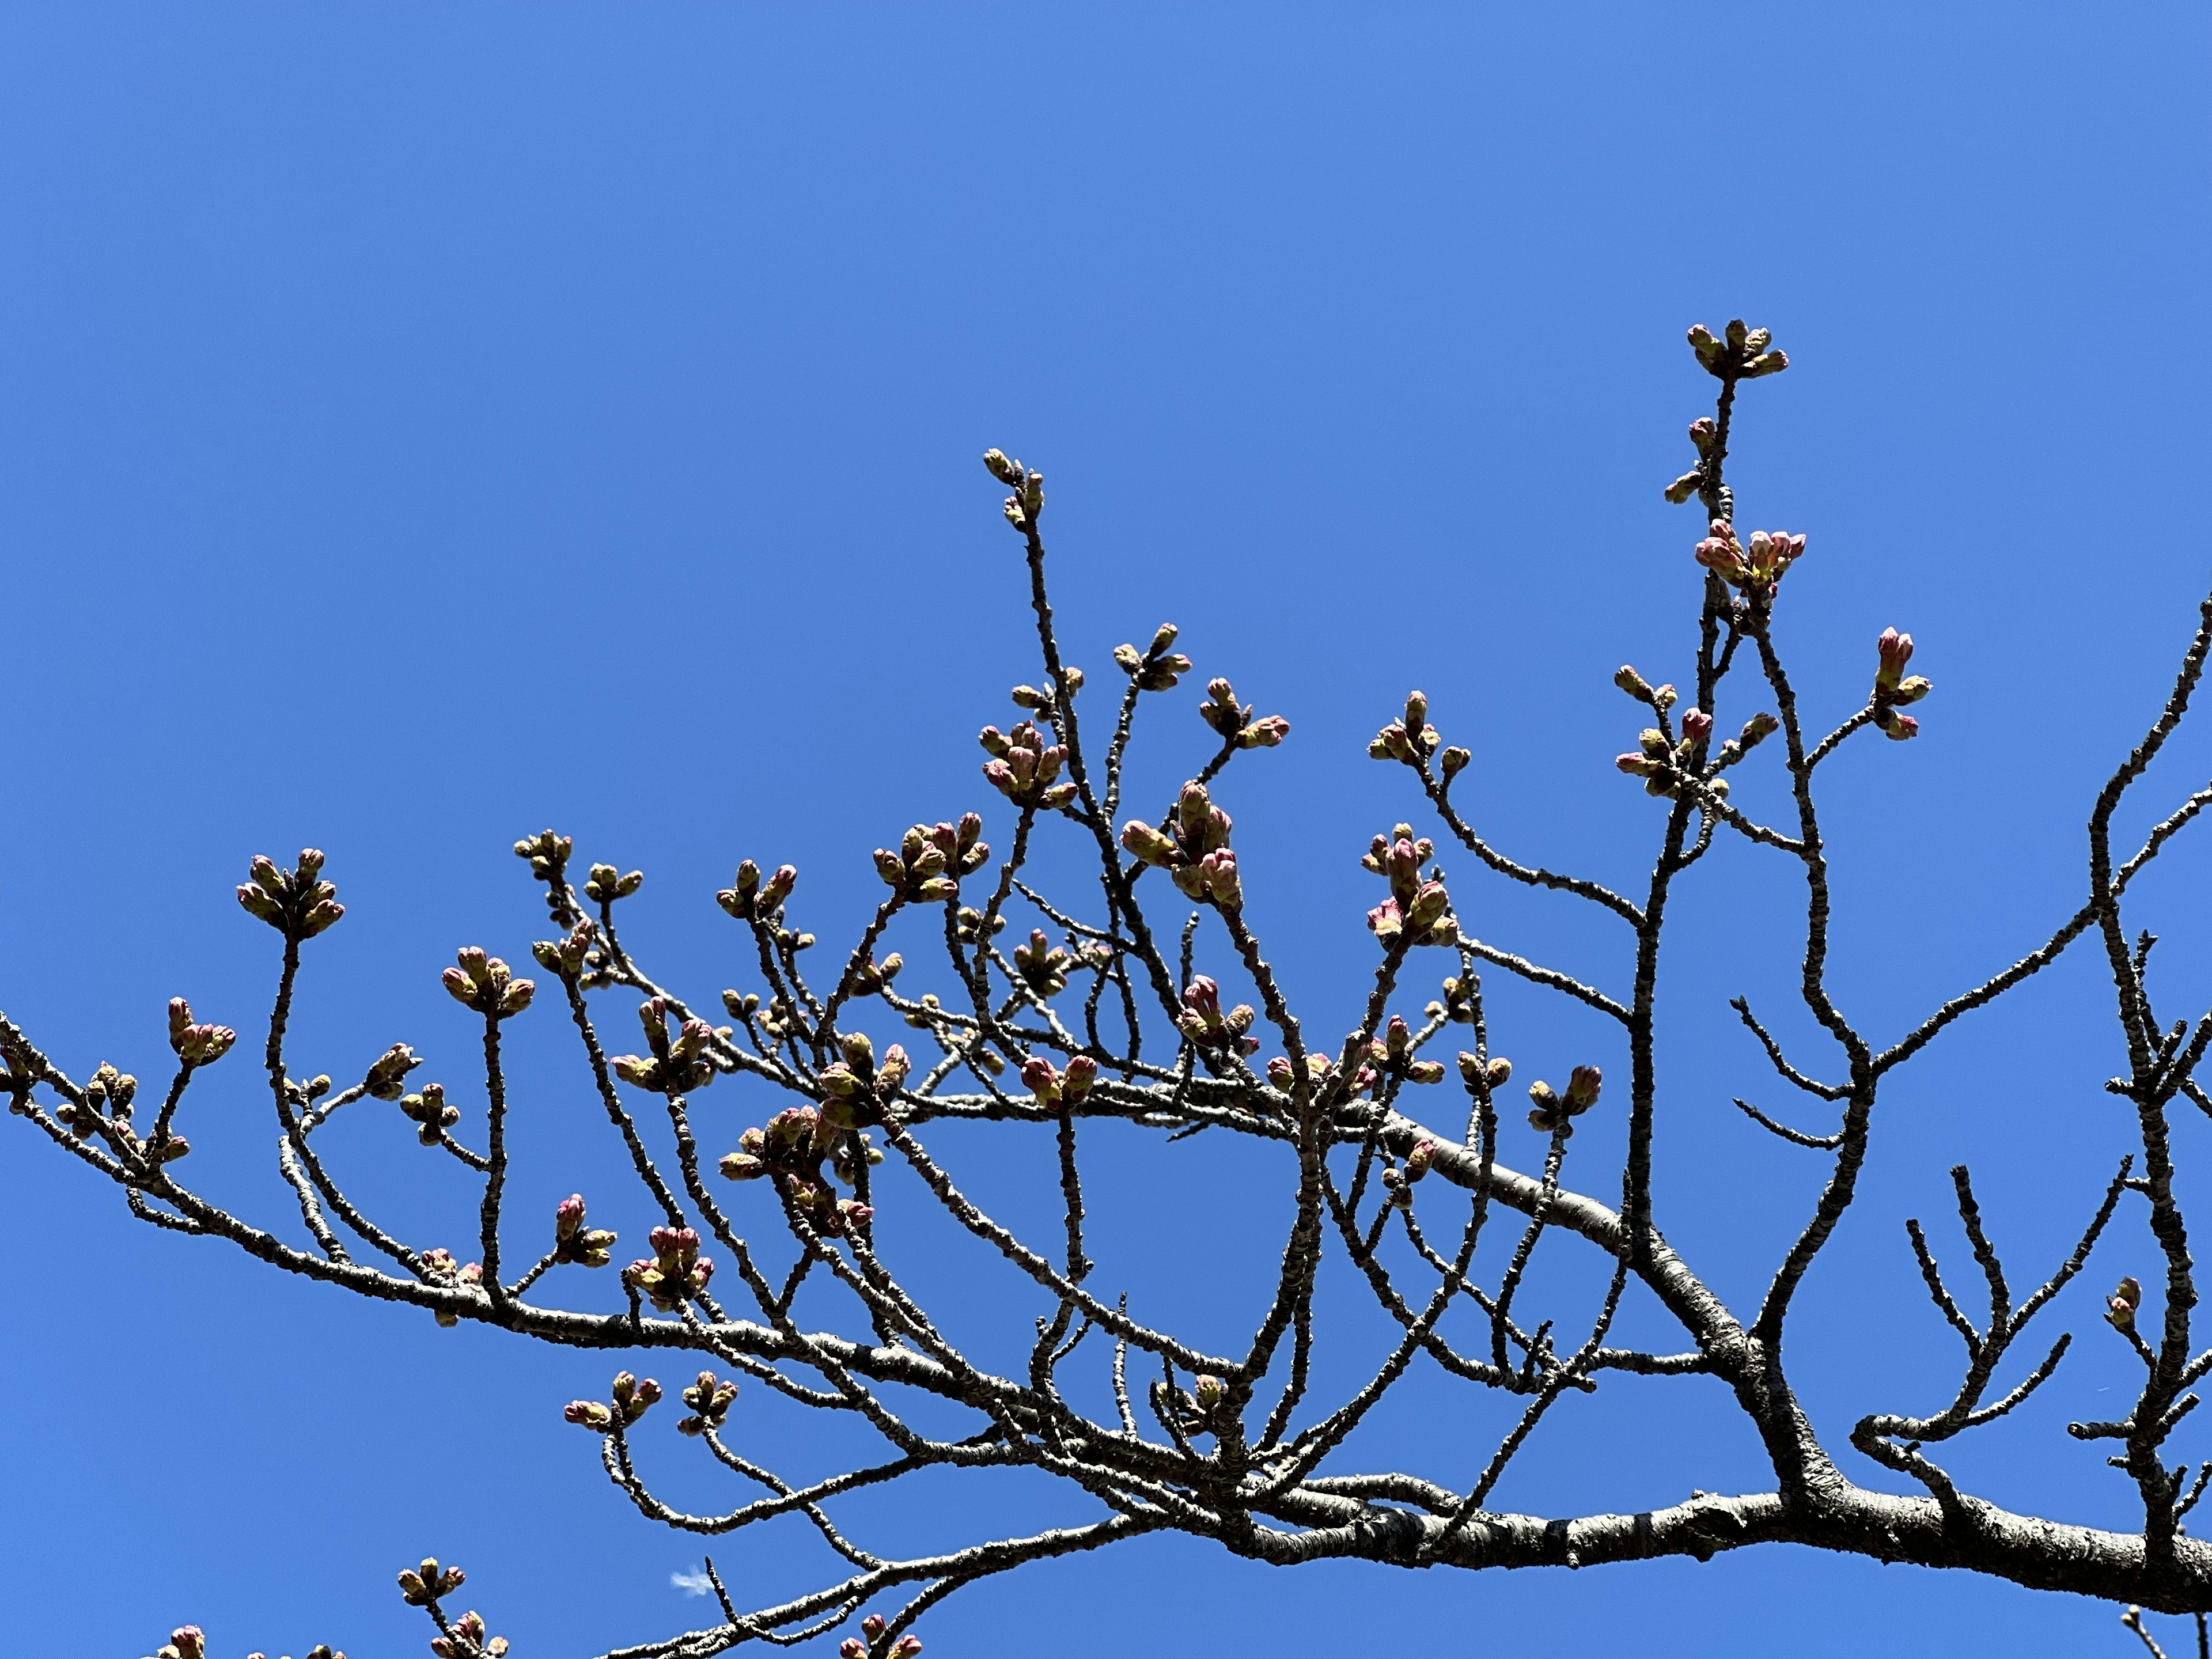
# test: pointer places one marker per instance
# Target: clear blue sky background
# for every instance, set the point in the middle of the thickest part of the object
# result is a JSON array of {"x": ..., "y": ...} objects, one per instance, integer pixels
[{"x": 418, "y": 425}]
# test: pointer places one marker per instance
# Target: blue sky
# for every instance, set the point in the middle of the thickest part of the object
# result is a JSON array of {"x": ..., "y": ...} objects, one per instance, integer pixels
[{"x": 421, "y": 425}]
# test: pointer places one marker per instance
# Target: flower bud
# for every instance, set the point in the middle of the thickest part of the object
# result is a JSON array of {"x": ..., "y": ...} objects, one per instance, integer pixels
[
  {"x": 1696, "y": 725},
  {"x": 1758, "y": 729}
]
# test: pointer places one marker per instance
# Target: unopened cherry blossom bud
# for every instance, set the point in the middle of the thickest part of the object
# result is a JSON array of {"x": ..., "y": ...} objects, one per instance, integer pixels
[
  {"x": 1684, "y": 487},
  {"x": 1758, "y": 729},
  {"x": 1426, "y": 1070},
  {"x": 1702, "y": 432},
  {"x": 1582, "y": 1086},
  {"x": 1899, "y": 728},
  {"x": 1696, "y": 725},
  {"x": 1264, "y": 733},
  {"x": 1209, "y": 1391}
]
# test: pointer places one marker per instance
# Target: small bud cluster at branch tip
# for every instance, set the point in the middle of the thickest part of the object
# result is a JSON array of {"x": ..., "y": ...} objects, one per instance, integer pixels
[
  {"x": 1418, "y": 907},
  {"x": 854, "y": 1647},
  {"x": 547, "y": 855},
  {"x": 1754, "y": 569},
  {"x": 568, "y": 955},
  {"x": 1740, "y": 353},
  {"x": 387, "y": 1074},
  {"x": 1893, "y": 689},
  {"x": 1554, "y": 1111},
  {"x": 676, "y": 1066},
  {"x": 1480, "y": 1075},
  {"x": 1158, "y": 668},
  {"x": 439, "y": 1269},
  {"x": 1058, "y": 1088},
  {"x": 1203, "y": 1023},
  {"x": 2121, "y": 1306},
  {"x": 469, "y": 1641},
  {"x": 748, "y": 900},
  {"x": 865, "y": 980},
  {"x": 927, "y": 867},
  {"x": 1411, "y": 739},
  {"x": 487, "y": 985},
  {"x": 1658, "y": 699},
  {"x": 185, "y": 1642},
  {"x": 296, "y": 905},
  {"x": 196, "y": 1045},
  {"x": 710, "y": 1400},
  {"x": 605, "y": 884},
  {"x": 1234, "y": 722},
  {"x": 422, "y": 1585},
  {"x": 1026, "y": 504},
  {"x": 431, "y": 1111},
  {"x": 573, "y": 1242},
  {"x": 794, "y": 1146},
  {"x": 1043, "y": 966},
  {"x": 1398, "y": 1184},
  {"x": 1457, "y": 1007},
  {"x": 674, "y": 1273},
  {"x": 1022, "y": 767},
  {"x": 1193, "y": 849}
]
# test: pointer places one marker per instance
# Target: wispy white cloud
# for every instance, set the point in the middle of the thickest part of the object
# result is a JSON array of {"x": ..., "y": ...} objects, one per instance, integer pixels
[{"x": 692, "y": 1583}]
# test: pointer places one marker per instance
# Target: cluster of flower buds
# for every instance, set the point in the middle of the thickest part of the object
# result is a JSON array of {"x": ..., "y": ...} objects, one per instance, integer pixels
[
  {"x": 1234, "y": 722},
  {"x": 388, "y": 1075},
  {"x": 1043, "y": 966},
  {"x": 1041, "y": 701},
  {"x": 605, "y": 884},
  {"x": 860, "y": 1090},
  {"x": 1658, "y": 699},
  {"x": 864, "y": 1646},
  {"x": 185, "y": 1642},
  {"x": 1552, "y": 1111},
  {"x": 1457, "y": 1007},
  {"x": 632, "y": 1400},
  {"x": 1398, "y": 1184},
  {"x": 675, "y": 1066},
  {"x": 431, "y": 1112},
  {"x": 547, "y": 855},
  {"x": 1394, "y": 1051},
  {"x": 748, "y": 900},
  {"x": 1754, "y": 569},
  {"x": 568, "y": 955},
  {"x": 422, "y": 1585},
  {"x": 674, "y": 1273},
  {"x": 1193, "y": 848},
  {"x": 865, "y": 980},
  {"x": 792, "y": 1149},
  {"x": 1702, "y": 434},
  {"x": 1022, "y": 767},
  {"x": 1482, "y": 1075},
  {"x": 487, "y": 985},
  {"x": 2121, "y": 1307},
  {"x": 1284, "y": 1075},
  {"x": 1411, "y": 739},
  {"x": 196, "y": 1045},
  {"x": 468, "y": 1640},
  {"x": 439, "y": 1269},
  {"x": 968, "y": 924},
  {"x": 710, "y": 1400},
  {"x": 930, "y": 861},
  {"x": 1894, "y": 688},
  {"x": 1207, "y": 1027},
  {"x": 1665, "y": 767},
  {"x": 1419, "y": 908},
  {"x": 296, "y": 905},
  {"x": 1059, "y": 1088},
  {"x": 1158, "y": 668},
  {"x": 108, "y": 1094},
  {"x": 1026, "y": 504},
  {"x": 1741, "y": 354},
  {"x": 573, "y": 1242}
]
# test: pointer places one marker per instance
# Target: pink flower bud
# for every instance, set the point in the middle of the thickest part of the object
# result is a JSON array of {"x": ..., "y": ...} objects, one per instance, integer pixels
[{"x": 1696, "y": 725}]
